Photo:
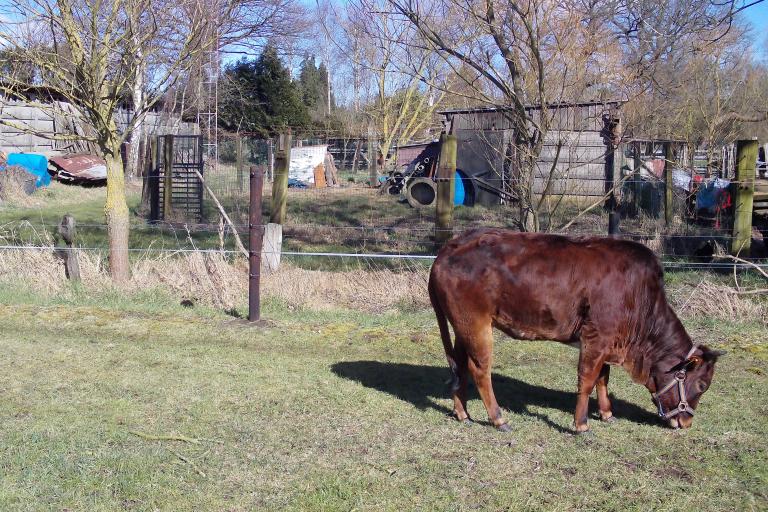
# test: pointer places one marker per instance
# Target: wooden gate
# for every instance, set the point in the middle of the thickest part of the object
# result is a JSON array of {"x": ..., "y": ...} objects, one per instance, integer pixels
[{"x": 186, "y": 157}]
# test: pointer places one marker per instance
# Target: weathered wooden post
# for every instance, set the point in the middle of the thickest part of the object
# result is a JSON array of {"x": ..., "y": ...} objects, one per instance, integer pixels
[
  {"x": 746, "y": 161},
  {"x": 373, "y": 161},
  {"x": 280, "y": 184},
  {"x": 239, "y": 158},
  {"x": 153, "y": 182},
  {"x": 613, "y": 162},
  {"x": 67, "y": 232},
  {"x": 669, "y": 185},
  {"x": 168, "y": 177},
  {"x": 271, "y": 160},
  {"x": 446, "y": 187},
  {"x": 255, "y": 233}
]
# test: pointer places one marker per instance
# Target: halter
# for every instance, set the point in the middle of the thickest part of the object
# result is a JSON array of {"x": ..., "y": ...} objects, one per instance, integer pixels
[{"x": 679, "y": 380}]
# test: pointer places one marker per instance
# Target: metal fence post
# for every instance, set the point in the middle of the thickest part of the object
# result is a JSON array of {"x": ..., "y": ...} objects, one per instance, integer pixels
[
  {"x": 746, "y": 161},
  {"x": 255, "y": 233}
]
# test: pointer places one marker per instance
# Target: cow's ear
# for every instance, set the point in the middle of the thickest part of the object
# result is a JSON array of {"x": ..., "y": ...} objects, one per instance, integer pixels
[{"x": 711, "y": 355}]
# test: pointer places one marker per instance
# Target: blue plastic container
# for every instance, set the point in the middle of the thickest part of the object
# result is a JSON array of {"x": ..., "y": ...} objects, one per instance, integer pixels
[
  {"x": 34, "y": 164},
  {"x": 458, "y": 190}
]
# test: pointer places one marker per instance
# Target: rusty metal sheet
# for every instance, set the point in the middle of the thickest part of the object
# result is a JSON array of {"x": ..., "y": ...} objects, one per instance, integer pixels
[{"x": 80, "y": 167}]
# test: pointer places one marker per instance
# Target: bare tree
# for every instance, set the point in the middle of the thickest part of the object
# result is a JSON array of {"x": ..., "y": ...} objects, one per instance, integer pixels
[
  {"x": 393, "y": 76},
  {"x": 525, "y": 53},
  {"x": 94, "y": 56}
]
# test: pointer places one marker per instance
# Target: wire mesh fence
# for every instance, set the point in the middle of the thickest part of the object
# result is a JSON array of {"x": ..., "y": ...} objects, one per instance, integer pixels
[{"x": 350, "y": 224}]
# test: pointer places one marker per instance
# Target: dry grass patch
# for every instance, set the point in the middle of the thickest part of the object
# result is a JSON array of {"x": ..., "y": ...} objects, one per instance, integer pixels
[
  {"x": 721, "y": 302},
  {"x": 214, "y": 280}
]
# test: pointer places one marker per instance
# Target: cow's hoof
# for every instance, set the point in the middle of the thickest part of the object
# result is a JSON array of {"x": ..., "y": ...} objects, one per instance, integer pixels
[
  {"x": 467, "y": 422},
  {"x": 581, "y": 429},
  {"x": 504, "y": 427},
  {"x": 587, "y": 432},
  {"x": 609, "y": 419}
]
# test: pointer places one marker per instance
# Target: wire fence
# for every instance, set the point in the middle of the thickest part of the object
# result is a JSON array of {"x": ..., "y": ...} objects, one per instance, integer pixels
[{"x": 350, "y": 223}]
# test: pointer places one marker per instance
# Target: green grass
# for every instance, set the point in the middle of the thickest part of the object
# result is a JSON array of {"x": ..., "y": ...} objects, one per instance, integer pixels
[{"x": 338, "y": 411}]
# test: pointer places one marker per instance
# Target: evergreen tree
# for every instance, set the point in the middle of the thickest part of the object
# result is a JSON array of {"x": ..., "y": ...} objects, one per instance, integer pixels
[
  {"x": 259, "y": 96},
  {"x": 313, "y": 82}
]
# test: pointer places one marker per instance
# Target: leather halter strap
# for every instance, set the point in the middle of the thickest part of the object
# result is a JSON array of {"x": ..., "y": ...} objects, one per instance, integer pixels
[{"x": 679, "y": 381}]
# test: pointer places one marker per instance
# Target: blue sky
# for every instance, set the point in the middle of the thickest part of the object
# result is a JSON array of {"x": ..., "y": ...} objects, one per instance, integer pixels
[{"x": 757, "y": 15}]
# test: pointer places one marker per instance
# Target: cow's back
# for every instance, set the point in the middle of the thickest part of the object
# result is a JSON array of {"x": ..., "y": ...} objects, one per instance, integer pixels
[{"x": 540, "y": 286}]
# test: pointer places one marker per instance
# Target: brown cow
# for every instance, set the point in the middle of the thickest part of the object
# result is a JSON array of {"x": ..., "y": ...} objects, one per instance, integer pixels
[{"x": 604, "y": 295}]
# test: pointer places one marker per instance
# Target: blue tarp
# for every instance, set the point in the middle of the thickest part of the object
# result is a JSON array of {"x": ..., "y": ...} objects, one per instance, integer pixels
[{"x": 34, "y": 164}]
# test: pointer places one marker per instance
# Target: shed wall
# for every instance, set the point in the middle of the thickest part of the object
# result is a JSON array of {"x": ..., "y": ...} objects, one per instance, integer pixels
[
  {"x": 50, "y": 121},
  {"x": 579, "y": 170}
]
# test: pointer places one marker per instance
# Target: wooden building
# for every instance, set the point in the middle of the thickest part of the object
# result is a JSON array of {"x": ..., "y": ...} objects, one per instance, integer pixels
[{"x": 572, "y": 158}]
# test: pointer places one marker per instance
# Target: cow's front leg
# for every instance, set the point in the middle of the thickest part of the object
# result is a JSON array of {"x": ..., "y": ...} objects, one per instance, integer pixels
[
  {"x": 602, "y": 394},
  {"x": 590, "y": 367}
]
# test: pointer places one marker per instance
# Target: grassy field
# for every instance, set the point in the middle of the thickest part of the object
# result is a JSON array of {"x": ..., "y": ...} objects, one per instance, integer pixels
[
  {"x": 125, "y": 400},
  {"x": 341, "y": 410}
]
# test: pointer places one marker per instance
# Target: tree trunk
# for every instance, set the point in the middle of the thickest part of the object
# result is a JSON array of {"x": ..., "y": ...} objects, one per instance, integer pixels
[
  {"x": 138, "y": 126},
  {"x": 116, "y": 211}
]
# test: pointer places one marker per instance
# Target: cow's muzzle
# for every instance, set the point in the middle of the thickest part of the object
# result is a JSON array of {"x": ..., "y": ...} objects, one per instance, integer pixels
[{"x": 682, "y": 415}]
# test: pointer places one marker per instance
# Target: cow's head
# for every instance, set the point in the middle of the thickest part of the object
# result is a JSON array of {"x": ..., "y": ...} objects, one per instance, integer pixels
[{"x": 678, "y": 389}]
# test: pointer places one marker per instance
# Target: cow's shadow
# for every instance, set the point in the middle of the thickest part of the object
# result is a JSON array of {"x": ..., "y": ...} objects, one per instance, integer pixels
[{"x": 421, "y": 385}]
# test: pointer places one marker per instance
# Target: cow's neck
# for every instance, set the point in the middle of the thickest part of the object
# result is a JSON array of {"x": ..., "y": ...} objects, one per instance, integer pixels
[{"x": 666, "y": 344}]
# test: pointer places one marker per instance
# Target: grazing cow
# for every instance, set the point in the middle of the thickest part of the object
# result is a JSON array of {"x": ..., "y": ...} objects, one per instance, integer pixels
[{"x": 604, "y": 295}]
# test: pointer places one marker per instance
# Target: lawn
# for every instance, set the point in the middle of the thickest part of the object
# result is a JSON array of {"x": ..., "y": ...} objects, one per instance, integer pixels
[{"x": 341, "y": 410}]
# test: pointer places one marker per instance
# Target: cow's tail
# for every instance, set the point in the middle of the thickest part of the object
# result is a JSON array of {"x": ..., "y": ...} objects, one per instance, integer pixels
[{"x": 445, "y": 335}]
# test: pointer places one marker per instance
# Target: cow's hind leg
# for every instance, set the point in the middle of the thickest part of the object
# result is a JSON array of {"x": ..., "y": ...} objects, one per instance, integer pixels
[
  {"x": 480, "y": 352},
  {"x": 459, "y": 385},
  {"x": 602, "y": 395}
]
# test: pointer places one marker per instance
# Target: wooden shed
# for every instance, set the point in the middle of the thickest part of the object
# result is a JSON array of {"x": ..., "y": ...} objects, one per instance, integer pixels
[{"x": 486, "y": 148}]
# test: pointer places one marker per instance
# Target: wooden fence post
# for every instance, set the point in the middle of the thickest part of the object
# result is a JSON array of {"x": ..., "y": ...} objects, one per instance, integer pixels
[
  {"x": 270, "y": 160},
  {"x": 150, "y": 180},
  {"x": 255, "y": 240},
  {"x": 168, "y": 177},
  {"x": 280, "y": 184},
  {"x": 614, "y": 149},
  {"x": 67, "y": 232},
  {"x": 446, "y": 188},
  {"x": 239, "y": 156},
  {"x": 746, "y": 160},
  {"x": 373, "y": 162},
  {"x": 668, "y": 185}
]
